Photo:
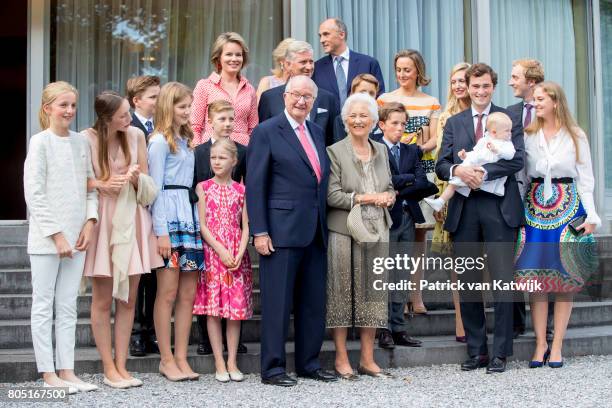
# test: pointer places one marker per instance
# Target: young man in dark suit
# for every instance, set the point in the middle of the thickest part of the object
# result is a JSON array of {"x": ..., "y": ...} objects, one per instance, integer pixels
[
  {"x": 286, "y": 196},
  {"x": 335, "y": 71},
  {"x": 221, "y": 117},
  {"x": 525, "y": 75},
  {"x": 482, "y": 217},
  {"x": 142, "y": 92},
  {"x": 408, "y": 179},
  {"x": 325, "y": 108}
]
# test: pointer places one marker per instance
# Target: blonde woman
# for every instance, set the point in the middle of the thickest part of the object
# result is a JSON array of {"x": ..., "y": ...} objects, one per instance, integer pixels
[
  {"x": 279, "y": 73},
  {"x": 561, "y": 217},
  {"x": 175, "y": 223},
  {"x": 62, "y": 217},
  {"x": 458, "y": 100},
  {"x": 229, "y": 56}
]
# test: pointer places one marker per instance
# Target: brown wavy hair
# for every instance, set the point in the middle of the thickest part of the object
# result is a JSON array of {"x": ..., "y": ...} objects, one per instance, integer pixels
[
  {"x": 419, "y": 63},
  {"x": 105, "y": 105},
  {"x": 171, "y": 94}
]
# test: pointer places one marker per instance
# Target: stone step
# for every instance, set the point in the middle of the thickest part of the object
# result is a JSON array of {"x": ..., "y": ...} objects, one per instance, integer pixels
[
  {"x": 13, "y": 307},
  {"x": 13, "y": 232},
  {"x": 17, "y": 333},
  {"x": 17, "y": 365}
]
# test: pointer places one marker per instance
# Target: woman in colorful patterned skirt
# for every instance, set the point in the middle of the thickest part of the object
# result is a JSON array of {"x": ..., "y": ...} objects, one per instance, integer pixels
[{"x": 555, "y": 248}]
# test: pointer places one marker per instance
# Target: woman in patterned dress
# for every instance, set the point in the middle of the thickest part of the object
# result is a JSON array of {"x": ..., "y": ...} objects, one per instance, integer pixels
[
  {"x": 175, "y": 223},
  {"x": 558, "y": 164},
  {"x": 229, "y": 56},
  {"x": 458, "y": 100},
  {"x": 423, "y": 112}
]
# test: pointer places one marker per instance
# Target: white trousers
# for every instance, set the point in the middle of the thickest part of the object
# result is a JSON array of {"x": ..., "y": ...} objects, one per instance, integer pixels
[{"x": 55, "y": 279}]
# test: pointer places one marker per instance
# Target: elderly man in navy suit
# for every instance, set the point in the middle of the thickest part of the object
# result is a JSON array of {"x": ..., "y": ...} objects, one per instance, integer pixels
[
  {"x": 335, "y": 72},
  {"x": 483, "y": 217},
  {"x": 286, "y": 195},
  {"x": 325, "y": 108}
]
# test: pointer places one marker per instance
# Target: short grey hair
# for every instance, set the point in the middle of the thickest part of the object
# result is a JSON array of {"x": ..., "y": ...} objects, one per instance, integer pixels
[
  {"x": 297, "y": 47},
  {"x": 360, "y": 98},
  {"x": 298, "y": 78},
  {"x": 341, "y": 26}
]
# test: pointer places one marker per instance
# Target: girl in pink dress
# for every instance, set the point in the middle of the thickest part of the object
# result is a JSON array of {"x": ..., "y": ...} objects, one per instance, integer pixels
[{"x": 224, "y": 289}]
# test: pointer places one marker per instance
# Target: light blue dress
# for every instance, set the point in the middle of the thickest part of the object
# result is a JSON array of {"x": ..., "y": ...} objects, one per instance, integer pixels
[{"x": 173, "y": 214}]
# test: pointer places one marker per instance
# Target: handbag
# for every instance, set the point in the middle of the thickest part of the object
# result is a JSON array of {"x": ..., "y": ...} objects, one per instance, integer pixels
[{"x": 357, "y": 228}]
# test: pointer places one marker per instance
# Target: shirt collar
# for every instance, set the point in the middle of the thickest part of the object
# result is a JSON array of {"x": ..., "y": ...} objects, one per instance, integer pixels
[
  {"x": 345, "y": 54},
  {"x": 294, "y": 123},
  {"x": 389, "y": 144},
  {"x": 215, "y": 78},
  {"x": 142, "y": 119},
  {"x": 486, "y": 111}
]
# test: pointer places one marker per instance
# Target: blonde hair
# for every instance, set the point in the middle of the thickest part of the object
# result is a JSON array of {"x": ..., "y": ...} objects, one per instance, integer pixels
[
  {"x": 533, "y": 69},
  {"x": 453, "y": 105},
  {"x": 171, "y": 94},
  {"x": 218, "y": 106},
  {"x": 227, "y": 144},
  {"x": 563, "y": 116},
  {"x": 495, "y": 119},
  {"x": 217, "y": 49},
  {"x": 106, "y": 105},
  {"x": 49, "y": 95},
  {"x": 419, "y": 63},
  {"x": 278, "y": 56}
]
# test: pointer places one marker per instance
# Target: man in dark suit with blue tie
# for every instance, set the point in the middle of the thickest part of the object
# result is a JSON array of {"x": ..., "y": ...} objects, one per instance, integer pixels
[
  {"x": 335, "y": 72},
  {"x": 482, "y": 217},
  {"x": 525, "y": 75},
  {"x": 408, "y": 177},
  {"x": 325, "y": 108},
  {"x": 286, "y": 195},
  {"x": 142, "y": 92}
]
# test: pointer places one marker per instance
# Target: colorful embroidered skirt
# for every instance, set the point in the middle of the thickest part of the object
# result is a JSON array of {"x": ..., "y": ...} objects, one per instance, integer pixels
[{"x": 547, "y": 251}]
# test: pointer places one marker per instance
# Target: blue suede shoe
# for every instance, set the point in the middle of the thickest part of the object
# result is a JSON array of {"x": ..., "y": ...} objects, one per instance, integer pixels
[
  {"x": 555, "y": 364},
  {"x": 538, "y": 364}
]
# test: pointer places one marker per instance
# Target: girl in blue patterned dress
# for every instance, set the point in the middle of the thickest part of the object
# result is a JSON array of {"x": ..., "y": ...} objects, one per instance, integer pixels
[
  {"x": 558, "y": 164},
  {"x": 175, "y": 223}
]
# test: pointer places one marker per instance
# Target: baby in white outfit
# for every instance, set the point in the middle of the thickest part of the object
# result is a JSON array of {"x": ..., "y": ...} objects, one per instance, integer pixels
[{"x": 496, "y": 144}]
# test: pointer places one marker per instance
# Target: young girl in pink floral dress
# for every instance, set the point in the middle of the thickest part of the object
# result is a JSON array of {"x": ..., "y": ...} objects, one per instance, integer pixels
[{"x": 224, "y": 289}]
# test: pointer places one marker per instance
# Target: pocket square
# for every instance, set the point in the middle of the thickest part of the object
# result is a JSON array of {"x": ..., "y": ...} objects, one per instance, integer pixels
[{"x": 321, "y": 110}]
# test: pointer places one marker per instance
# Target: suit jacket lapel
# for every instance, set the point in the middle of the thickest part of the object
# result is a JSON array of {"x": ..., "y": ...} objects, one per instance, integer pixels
[
  {"x": 468, "y": 123},
  {"x": 403, "y": 157},
  {"x": 209, "y": 172},
  {"x": 331, "y": 73},
  {"x": 291, "y": 138},
  {"x": 314, "y": 111},
  {"x": 353, "y": 67}
]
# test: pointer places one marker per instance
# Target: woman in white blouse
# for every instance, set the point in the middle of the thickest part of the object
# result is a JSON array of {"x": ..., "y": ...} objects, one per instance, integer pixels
[
  {"x": 554, "y": 246},
  {"x": 62, "y": 217}
]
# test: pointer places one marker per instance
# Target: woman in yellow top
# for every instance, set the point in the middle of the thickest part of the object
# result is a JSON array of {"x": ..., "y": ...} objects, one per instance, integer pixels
[
  {"x": 458, "y": 100},
  {"x": 423, "y": 113}
]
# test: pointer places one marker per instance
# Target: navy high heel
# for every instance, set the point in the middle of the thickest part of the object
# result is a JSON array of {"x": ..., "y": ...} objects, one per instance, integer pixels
[
  {"x": 538, "y": 364},
  {"x": 555, "y": 364}
]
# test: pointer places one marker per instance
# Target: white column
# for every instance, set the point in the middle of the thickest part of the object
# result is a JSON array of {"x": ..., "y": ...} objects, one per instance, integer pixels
[
  {"x": 481, "y": 31},
  {"x": 597, "y": 139},
  {"x": 298, "y": 19},
  {"x": 38, "y": 60}
]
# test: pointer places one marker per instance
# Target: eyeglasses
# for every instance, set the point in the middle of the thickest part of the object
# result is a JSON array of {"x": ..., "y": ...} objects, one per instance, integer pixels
[{"x": 297, "y": 97}]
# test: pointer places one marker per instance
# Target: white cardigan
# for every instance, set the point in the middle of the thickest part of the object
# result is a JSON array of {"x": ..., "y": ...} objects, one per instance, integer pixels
[{"x": 55, "y": 177}]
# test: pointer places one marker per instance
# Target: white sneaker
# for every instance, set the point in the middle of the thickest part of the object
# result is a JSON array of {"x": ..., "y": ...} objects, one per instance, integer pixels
[
  {"x": 435, "y": 203},
  {"x": 82, "y": 386},
  {"x": 71, "y": 390}
]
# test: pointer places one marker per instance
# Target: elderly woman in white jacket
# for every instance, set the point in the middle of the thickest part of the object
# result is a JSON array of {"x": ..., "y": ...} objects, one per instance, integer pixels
[{"x": 62, "y": 216}]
